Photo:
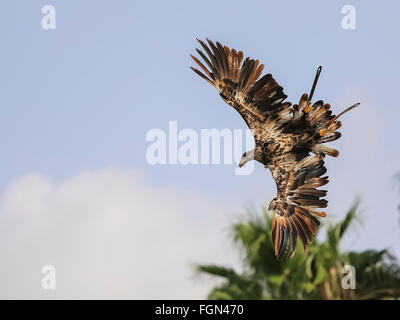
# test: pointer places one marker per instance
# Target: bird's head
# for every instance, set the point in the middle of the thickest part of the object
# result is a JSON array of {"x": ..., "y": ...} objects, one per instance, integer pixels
[
  {"x": 273, "y": 204},
  {"x": 247, "y": 156}
]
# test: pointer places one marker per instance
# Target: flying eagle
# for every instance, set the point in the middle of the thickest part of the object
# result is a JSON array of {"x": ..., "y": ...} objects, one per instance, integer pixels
[{"x": 285, "y": 136}]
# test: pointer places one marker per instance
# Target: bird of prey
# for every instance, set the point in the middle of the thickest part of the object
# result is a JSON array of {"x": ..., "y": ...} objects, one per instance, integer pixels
[{"x": 289, "y": 139}]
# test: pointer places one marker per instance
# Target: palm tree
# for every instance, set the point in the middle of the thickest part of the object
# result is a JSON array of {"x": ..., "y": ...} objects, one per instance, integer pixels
[{"x": 315, "y": 275}]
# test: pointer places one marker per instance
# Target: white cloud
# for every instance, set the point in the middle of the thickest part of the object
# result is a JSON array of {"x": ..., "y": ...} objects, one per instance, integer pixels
[{"x": 109, "y": 235}]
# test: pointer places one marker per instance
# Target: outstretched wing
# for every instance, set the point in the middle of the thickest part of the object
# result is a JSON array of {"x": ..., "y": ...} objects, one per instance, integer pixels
[
  {"x": 239, "y": 85},
  {"x": 297, "y": 200}
]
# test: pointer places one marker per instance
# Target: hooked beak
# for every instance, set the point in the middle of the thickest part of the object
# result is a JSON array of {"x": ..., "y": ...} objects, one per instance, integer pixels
[{"x": 242, "y": 163}]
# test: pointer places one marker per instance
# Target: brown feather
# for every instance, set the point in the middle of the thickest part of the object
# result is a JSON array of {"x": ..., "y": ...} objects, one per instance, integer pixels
[{"x": 285, "y": 135}]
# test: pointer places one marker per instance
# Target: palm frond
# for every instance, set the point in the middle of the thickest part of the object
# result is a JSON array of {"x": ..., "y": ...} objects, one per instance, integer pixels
[{"x": 315, "y": 275}]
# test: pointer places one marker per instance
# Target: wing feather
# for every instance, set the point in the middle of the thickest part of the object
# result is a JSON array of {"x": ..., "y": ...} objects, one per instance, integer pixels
[
  {"x": 297, "y": 200},
  {"x": 239, "y": 83}
]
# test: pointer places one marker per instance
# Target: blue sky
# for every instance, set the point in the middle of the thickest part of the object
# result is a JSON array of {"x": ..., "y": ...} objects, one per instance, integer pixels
[{"x": 81, "y": 98}]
